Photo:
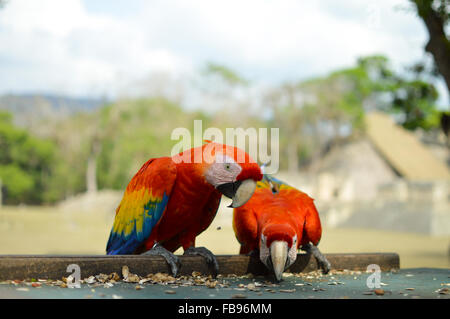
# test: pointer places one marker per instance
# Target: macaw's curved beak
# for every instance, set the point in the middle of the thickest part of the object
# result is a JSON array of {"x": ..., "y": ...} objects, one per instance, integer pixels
[
  {"x": 240, "y": 192},
  {"x": 279, "y": 254}
]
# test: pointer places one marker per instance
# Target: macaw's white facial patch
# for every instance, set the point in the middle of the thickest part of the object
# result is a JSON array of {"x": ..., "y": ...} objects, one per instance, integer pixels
[
  {"x": 292, "y": 254},
  {"x": 223, "y": 170},
  {"x": 264, "y": 252}
]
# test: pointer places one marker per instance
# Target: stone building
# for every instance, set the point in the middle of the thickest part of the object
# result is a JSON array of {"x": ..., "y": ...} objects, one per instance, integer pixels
[{"x": 388, "y": 180}]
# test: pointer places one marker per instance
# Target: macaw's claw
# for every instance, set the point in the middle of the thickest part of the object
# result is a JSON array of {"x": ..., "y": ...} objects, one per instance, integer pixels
[
  {"x": 211, "y": 260},
  {"x": 172, "y": 260},
  {"x": 322, "y": 261}
]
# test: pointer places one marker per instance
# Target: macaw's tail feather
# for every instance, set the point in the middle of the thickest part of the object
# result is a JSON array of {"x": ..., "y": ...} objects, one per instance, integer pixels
[
  {"x": 142, "y": 206},
  {"x": 116, "y": 246}
]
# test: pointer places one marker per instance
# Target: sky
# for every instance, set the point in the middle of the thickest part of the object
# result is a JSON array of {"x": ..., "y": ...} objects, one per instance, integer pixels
[{"x": 100, "y": 47}]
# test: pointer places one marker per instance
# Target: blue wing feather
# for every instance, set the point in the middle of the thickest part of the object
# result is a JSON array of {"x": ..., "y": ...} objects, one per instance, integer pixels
[{"x": 142, "y": 207}]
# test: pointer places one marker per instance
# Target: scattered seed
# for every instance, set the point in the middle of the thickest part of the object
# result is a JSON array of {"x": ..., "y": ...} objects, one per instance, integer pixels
[
  {"x": 114, "y": 276},
  {"x": 287, "y": 290},
  {"x": 170, "y": 292},
  {"x": 443, "y": 291},
  {"x": 211, "y": 284},
  {"x": 379, "y": 292},
  {"x": 101, "y": 278},
  {"x": 125, "y": 272},
  {"x": 132, "y": 278},
  {"x": 238, "y": 296},
  {"x": 90, "y": 280}
]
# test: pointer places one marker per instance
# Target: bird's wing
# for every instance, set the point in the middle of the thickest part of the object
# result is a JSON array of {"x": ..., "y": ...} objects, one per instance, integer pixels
[
  {"x": 312, "y": 227},
  {"x": 142, "y": 206},
  {"x": 306, "y": 214},
  {"x": 245, "y": 228}
]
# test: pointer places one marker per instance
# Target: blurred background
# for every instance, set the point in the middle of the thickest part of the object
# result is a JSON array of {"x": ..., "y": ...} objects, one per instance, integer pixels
[{"x": 89, "y": 90}]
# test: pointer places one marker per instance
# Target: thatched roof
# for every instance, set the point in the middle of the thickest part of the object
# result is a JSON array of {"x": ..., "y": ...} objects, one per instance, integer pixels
[{"x": 403, "y": 150}]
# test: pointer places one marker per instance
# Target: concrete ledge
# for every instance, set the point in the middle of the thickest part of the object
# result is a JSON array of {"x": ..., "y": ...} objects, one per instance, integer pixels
[{"x": 54, "y": 267}]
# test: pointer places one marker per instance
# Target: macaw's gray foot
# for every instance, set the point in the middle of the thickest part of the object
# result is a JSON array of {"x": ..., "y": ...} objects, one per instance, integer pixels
[
  {"x": 172, "y": 260},
  {"x": 323, "y": 263},
  {"x": 207, "y": 254},
  {"x": 253, "y": 254}
]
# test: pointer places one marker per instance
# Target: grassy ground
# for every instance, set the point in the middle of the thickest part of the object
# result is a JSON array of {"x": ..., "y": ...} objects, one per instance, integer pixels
[{"x": 49, "y": 231}]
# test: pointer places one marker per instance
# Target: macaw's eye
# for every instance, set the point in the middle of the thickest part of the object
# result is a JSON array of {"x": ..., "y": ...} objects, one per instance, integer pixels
[{"x": 227, "y": 166}]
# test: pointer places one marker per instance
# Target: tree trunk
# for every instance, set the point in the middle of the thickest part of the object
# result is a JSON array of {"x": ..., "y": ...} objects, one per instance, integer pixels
[
  {"x": 91, "y": 172},
  {"x": 438, "y": 44}
]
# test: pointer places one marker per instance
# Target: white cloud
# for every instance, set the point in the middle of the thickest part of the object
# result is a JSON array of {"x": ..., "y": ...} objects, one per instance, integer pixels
[
  {"x": 63, "y": 46},
  {"x": 53, "y": 45},
  {"x": 287, "y": 39}
]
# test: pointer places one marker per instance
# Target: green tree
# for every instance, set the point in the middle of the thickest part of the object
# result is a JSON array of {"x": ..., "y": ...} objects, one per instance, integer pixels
[
  {"x": 436, "y": 16},
  {"x": 319, "y": 112},
  {"x": 25, "y": 164},
  {"x": 134, "y": 131},
  {"x": 410, "y": 95}
]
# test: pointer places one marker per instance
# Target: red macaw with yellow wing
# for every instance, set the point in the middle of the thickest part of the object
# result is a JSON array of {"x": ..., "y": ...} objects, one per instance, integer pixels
[{"x": 171, "y": 200}]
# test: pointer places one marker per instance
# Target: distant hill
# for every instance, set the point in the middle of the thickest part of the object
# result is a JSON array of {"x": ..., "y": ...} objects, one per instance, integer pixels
[{"x": 29, "y": 108}]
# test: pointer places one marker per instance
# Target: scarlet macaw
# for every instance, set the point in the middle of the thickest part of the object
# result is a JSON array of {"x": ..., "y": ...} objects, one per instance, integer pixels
[
  {"x": 275, "y": 221},
  {"x": 171, "y": 200}
]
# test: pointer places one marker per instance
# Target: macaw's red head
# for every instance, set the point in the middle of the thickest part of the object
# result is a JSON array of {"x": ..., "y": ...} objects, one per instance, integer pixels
[
  {"x": 278, "y": 247},
  {"x": 231, "y": 171}
]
